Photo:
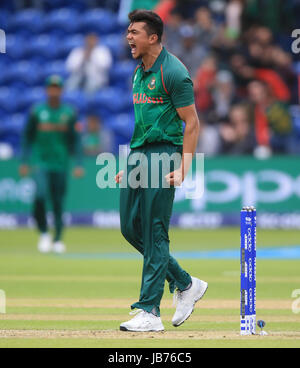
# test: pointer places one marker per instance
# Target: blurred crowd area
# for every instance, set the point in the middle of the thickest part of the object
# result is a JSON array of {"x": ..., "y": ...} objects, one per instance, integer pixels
[{"x": 238, "y": 52}]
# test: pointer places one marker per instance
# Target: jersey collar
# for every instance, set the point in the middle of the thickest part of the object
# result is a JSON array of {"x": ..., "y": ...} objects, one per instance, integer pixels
[{"x": 156, "y": 66}]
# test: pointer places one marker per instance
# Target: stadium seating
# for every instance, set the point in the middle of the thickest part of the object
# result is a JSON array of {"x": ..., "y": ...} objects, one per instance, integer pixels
[
  {"x": 123, "y": 125},
  {"x": 67, "y": 44},
  {"x": 38, "y": 44},
  {"x": 63, "y": 21},
  {"x": 8, "y": 100},
  {"x": 80, "y": 5},
  {"x": 3, "y": 76},
  {"x": 115, "y": 42},
  {"x": 14, "y": 124},
  {"x": 121, "y": 74},
  {"x": 110, "y": 101},
  {"x": 4, "y": 17},
  {"x": 31, "y": 97},
  {"x": 24, "y": 72},
  {"x": 54, "y": 67},
  {"x": 98, "y": 20},
  {"x": 44, "y": 45},
  {"x": 26, "y": 21},
  {"x": 13, "y": 139},
  {"x": 16, "y": 47},
  {"x": 77, "y": 99}
]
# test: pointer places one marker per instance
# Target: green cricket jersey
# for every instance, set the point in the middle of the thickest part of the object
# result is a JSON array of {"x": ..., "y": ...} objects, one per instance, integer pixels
[
  {"x": 51, "y": 135},
  {"x": 157, "y": 93}
]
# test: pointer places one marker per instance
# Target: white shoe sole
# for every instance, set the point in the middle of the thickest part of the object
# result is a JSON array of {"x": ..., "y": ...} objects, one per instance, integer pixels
[
  {"x": 44, "y": 250},
  {"x": 189, "y": 313},
  {"x": 59, "y": 251},
  {"x": 123, "y": 328}
]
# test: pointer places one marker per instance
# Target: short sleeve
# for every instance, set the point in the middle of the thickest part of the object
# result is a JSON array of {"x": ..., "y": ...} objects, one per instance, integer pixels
[
  {"x": 134, "y": 73},
  {"x": 181, "y": 89}
]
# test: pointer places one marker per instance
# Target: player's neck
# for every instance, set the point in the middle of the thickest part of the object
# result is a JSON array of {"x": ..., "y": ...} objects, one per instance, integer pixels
[
  {"x": 54, "y": 103},
  {"x": 150, "y": 58}
]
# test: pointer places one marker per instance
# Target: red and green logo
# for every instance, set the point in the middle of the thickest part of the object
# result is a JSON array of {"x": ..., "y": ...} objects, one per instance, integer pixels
[{"x": 152, "y": 84}]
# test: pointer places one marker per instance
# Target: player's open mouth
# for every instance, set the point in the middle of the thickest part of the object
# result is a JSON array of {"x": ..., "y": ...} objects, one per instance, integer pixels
[{"x": 133, "y": 48}]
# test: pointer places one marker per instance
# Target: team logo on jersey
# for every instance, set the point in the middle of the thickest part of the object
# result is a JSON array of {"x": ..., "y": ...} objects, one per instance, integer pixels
[
  {"x": 44, "y": 115},
  {"x": 152, "y": 84}
]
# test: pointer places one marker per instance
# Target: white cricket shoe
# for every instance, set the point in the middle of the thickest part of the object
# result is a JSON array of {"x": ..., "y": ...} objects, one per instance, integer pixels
[
  {"x": 45, "y": 243},
  {"x": 59, "y": 247},
  {"x": 187, "y": 299},
  {"x": 143, "y": 322}
]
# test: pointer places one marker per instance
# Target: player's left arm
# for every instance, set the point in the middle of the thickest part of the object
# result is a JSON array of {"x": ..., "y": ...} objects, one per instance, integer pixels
[
  {"x": 76, "y": 146},
  {"x": 189, "y": 116}
]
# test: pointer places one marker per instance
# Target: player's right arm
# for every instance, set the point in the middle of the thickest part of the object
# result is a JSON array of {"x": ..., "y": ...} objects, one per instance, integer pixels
[{"x": 28, "y": 138}]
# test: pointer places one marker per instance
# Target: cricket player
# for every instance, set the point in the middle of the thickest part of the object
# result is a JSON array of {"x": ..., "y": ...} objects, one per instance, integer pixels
[
  {"x": 163, "y": 99},
  {"x": 50, "y": 137}
]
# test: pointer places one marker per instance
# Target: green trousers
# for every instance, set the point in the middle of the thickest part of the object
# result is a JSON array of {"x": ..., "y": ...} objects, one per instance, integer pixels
[
  {"x": 145, "y": 216},
  {"x": 49, "y": 185}
]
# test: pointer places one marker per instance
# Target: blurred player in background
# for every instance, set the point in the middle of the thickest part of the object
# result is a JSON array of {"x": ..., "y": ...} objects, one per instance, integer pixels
[{"x": 50, "y": 138}]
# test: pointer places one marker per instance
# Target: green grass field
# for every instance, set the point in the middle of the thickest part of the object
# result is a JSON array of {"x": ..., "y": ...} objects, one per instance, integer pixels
[{"x": 80, "y": 299}]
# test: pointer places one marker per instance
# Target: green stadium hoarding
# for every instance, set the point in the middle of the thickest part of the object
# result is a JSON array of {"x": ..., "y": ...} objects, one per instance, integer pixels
[{"x": 270, "y": 185}]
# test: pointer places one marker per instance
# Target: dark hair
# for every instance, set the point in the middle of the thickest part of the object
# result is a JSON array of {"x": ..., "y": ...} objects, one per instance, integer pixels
[{"x": 154, "y": 23}]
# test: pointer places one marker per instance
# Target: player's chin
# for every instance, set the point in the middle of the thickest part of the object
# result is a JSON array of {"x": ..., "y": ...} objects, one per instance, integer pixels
[{"x": 136, "y": 55}]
